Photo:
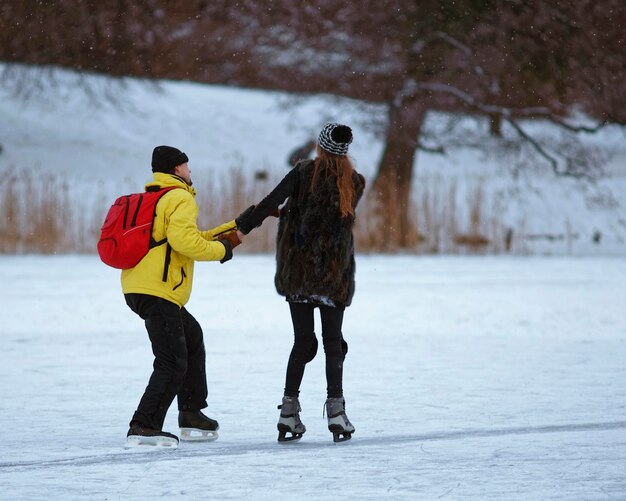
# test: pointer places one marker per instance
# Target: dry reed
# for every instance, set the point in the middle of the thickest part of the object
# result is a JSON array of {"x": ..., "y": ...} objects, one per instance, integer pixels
[{"x": 44, "y": 214}]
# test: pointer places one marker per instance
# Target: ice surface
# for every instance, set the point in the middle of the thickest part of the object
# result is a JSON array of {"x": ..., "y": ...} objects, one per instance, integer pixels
[{"x": 467, "y": 378}]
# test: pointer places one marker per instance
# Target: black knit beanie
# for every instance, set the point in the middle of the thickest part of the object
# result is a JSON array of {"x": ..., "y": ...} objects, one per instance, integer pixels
[
  {"x": 335, "y": 138},
  {"x": 165, "y": 158}
]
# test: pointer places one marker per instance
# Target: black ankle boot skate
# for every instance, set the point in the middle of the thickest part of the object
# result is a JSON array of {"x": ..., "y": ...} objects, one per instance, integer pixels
[
  {"x": 140, "y": 436},
  {"x": 196, "y": 427}
]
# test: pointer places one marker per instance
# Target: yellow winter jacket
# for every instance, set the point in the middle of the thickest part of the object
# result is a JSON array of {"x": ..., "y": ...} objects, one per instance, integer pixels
[{"x": 167, "y": 270}]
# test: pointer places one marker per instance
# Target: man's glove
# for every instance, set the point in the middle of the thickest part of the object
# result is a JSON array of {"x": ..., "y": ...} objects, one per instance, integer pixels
[
  {"x": 232, "y": 238},
  {"x": 229, "y": 240}
]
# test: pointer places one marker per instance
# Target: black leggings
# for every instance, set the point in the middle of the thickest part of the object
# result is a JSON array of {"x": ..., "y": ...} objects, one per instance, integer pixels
[{"x": 305, "y": 347}]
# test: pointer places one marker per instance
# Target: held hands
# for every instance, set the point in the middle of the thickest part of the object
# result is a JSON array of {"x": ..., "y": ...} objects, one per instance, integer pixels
[
  {"x": 230, "y": 240},
  {"x": 234, "y": 238},
  {"x": 243, "y": 222}
]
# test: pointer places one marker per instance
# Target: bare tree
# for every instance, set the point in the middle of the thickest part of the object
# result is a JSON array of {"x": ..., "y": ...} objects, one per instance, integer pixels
[
  {"x": 510, "y": 62},
  {"x": 507, "y": 63}
]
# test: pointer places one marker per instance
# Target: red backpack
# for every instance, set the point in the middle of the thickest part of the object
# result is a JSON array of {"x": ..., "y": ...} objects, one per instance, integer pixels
[{"x": 126, "y": 235}]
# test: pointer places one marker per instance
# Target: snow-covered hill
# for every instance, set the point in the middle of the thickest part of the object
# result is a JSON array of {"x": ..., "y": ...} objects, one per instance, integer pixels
[{"x": 96, "y": 130}]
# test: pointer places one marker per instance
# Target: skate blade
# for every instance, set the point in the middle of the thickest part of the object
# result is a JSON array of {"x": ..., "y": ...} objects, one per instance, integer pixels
[
  {"x": 140, "y": 442},
  {"x": 283, "y": 438},
  {"x": 339, "y": 434},
  {"x": 197, "y": 435},
  {"x": 282, "y": 434},
  {"x": 339, "y": 437}
]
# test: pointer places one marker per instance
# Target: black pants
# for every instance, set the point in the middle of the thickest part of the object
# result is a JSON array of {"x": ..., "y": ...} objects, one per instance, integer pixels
[
  {"x": 179, "y": 360},
  {"x": 305, "y": 346}
]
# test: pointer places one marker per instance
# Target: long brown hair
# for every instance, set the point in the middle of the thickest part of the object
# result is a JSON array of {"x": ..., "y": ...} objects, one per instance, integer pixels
[{"x": 340, "y": 167}]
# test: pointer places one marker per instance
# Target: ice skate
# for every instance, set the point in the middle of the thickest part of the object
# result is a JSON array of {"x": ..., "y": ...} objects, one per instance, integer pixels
[
  {"x": 196, "y": 427},
  {"x": 289, "y": 421},
  {"x": 338, "y": 422},
  {"x": 140, "y": 436}
]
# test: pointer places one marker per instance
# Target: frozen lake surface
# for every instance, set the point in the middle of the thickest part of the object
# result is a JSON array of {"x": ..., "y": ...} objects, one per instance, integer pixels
[{"x": 467, "y": 378}]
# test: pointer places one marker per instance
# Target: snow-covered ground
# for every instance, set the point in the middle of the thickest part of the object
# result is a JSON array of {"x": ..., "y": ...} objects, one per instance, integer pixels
[
  {"x": 99, "y": 132},
  {"x": 467, "y": 378}
]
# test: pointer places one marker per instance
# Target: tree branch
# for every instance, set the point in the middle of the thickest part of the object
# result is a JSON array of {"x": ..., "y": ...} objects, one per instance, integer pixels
[
  {"x": 553, "y": 161},
  {"x": 506, "y": 113},
  {"x": 440, "y": 150}
]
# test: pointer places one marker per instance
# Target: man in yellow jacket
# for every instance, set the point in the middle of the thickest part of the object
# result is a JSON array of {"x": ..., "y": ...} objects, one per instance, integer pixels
[{"x": 157, "y": 289}]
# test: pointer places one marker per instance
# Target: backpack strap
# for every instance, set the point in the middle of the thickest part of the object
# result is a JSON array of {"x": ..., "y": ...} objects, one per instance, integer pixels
[
  {"x": 155, "y": 243},
  {"x": 154, "y": 189}
]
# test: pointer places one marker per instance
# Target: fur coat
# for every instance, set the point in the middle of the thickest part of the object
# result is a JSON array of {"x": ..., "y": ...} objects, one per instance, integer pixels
[{"x": 315, "y": 247}]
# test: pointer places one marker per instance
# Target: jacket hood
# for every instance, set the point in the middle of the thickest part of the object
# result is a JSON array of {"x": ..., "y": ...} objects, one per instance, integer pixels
[{"x": 163, "y": 180}]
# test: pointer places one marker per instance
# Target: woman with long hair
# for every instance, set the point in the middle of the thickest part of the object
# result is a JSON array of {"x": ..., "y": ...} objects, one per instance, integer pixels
[{"x": 315, "y": 268}]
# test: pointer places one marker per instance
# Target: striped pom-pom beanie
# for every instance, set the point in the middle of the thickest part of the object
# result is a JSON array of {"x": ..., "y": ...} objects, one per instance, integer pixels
[{"x": 335, "y": 138}]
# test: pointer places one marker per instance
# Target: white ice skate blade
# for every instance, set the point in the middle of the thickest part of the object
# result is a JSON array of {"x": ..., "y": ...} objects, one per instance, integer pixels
[
  {"x": 141, "y": 442},
  {"x": 198, "y": 435}
]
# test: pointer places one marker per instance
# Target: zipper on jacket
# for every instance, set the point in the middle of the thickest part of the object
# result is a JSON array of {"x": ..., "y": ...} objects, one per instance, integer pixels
[
  {"x": 166, "y": 265},
  {"x": 224, "y": 231},
  {"x": 182, "y": 278}
]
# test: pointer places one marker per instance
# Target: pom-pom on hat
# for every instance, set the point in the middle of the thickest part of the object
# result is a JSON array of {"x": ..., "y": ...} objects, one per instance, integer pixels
[
  {"x": 335, "y": 138},
  {"x": 165, "y": 158}
]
